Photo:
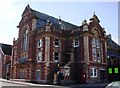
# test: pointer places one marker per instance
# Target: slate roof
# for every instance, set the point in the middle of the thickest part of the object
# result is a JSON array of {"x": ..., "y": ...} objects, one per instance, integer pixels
[
  {"x": 112, "y": 44},
  {"x": 110, "y": 53},
  {"x": 42, "y": 20},
  {"x": 7, "y": 49},
  {"x": 113, "y": 49}
]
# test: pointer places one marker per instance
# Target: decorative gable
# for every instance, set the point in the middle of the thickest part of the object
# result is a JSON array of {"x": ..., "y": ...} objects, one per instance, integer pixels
[
  {"x": 95, "y": 18},
  {"x": 27, "y": 9}
]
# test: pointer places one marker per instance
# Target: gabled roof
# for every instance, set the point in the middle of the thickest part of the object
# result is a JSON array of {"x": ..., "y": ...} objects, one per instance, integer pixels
[
  {"x": 113, "y": 47},
  {"x": 94, "y": 18},
  {"x": 7, "y": 49},
  {"x": 27, "y": 8},
  {"x": 42, "y": 19}
]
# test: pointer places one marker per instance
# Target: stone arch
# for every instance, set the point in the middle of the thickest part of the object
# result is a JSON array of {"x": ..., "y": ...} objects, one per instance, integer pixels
[
  {"x": 24, "y": 37},
  {"x": 96, "y": 32},
  {"x": 26, "y": 27}
]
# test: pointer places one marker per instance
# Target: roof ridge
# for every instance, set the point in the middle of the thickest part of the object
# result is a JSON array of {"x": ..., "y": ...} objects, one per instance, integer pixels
[{"x": 51, "y": 17}]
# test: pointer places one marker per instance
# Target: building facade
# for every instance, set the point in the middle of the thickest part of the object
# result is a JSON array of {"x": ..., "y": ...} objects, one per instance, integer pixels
[
  {"x": 50, "y": 50},
  {"x": 5, "y": 59},
  {"x": 113, "y": 59}
]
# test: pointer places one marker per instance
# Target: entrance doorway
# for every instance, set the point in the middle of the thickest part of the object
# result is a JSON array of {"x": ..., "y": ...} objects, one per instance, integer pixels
[
  {"x": 22, "y": 74},
  {"x": 102, "y": 75},
  {"x": 38, "y": 75}
]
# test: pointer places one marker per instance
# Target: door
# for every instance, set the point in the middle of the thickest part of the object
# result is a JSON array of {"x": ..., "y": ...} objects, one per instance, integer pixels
[
  {"x": 22, "y": 74},
  {"x": 102, "y": 75},
  {"x": 38, "y": 75}
]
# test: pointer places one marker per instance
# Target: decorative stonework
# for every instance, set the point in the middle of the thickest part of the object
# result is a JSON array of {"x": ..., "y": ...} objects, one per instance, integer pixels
[
  {"x": 101, "y": 53},
  {"x": 34, "y": 21},
  {"x": 47, "y": 54},
  {"x": 47, "y": 28},
  {"x": 47, "y": 49},
  {"x": 86, "y": 49}
]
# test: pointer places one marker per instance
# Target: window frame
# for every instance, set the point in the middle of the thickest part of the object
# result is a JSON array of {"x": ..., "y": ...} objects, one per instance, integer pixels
[
  {"x": 93, "y": 72},
  {"x": 76, "y": 40},
  {"x": 57, "y": 43},
  {"x": 39, "y": 43},
  {"x": 56, "y": 60},
  {"x": 25, "y": 39},
  {"x": 96, "y": 49},
  {"x": 39, "y": 57}
]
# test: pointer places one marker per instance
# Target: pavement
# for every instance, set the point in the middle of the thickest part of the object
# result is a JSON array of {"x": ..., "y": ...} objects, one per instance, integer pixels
[
  {"x": 22, "y": 83},
  {"x": 97, "y": 85}
]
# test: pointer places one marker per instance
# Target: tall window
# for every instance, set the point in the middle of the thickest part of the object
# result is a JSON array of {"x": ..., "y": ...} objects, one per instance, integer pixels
[
  {"x": 39, "y": 57},
  {"x": 56, "y": 43},
  {"x": 56, "y": 56},
  {"x": 96, "y": 49},
  {"x": 76, "y": 42},
  {"x": 25, "y": 40},
  {"x": 93, "y": 72}
]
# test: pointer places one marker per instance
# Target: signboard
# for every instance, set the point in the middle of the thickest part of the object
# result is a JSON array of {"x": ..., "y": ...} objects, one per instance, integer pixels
[
  {"x": 116, "y": 70},
  {"x": 110, "y": 70}
]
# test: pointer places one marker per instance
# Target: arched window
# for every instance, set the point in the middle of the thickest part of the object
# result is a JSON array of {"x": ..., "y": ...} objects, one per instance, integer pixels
[
  {"x": 25, "y": 40},
  {"x": 96, "y": 47}
]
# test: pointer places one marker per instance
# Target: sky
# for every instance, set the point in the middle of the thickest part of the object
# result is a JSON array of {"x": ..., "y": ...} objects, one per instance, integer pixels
[{"x": 71, "y": 11}]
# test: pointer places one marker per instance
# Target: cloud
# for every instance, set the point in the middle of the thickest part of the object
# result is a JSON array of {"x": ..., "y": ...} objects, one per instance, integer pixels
[{"x": 7, "y": 9}]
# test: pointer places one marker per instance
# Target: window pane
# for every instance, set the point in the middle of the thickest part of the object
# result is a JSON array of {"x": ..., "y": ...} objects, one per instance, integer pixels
[
  {"x": 25, "y": 40},
  {"x": 93, "y": 42},
  {"x": 98, "y": 43},
  {"x": 56, "y": 42},
  {"x": 95, "y": 72},
  {"x": 76, "y": 42},
  {"x": 91, "y": 70},
  {"x": 39, "y": 57},
  {"x": 39, "y": 43},
  {"x": 56, "y": 55},
  {"x": 94, "y": 54}
]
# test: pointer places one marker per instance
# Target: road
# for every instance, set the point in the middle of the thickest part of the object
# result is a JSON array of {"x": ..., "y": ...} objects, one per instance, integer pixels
[{"x": 9, "y": 84}]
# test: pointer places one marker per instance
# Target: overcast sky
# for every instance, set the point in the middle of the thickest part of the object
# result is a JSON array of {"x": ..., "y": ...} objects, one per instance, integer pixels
[{"x": 73, "y": 11}]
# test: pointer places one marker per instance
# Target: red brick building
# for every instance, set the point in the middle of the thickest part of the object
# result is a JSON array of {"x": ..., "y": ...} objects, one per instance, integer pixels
[
  {"x": 48, "y": 49},
  {"x": 5, "y": 59}
]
